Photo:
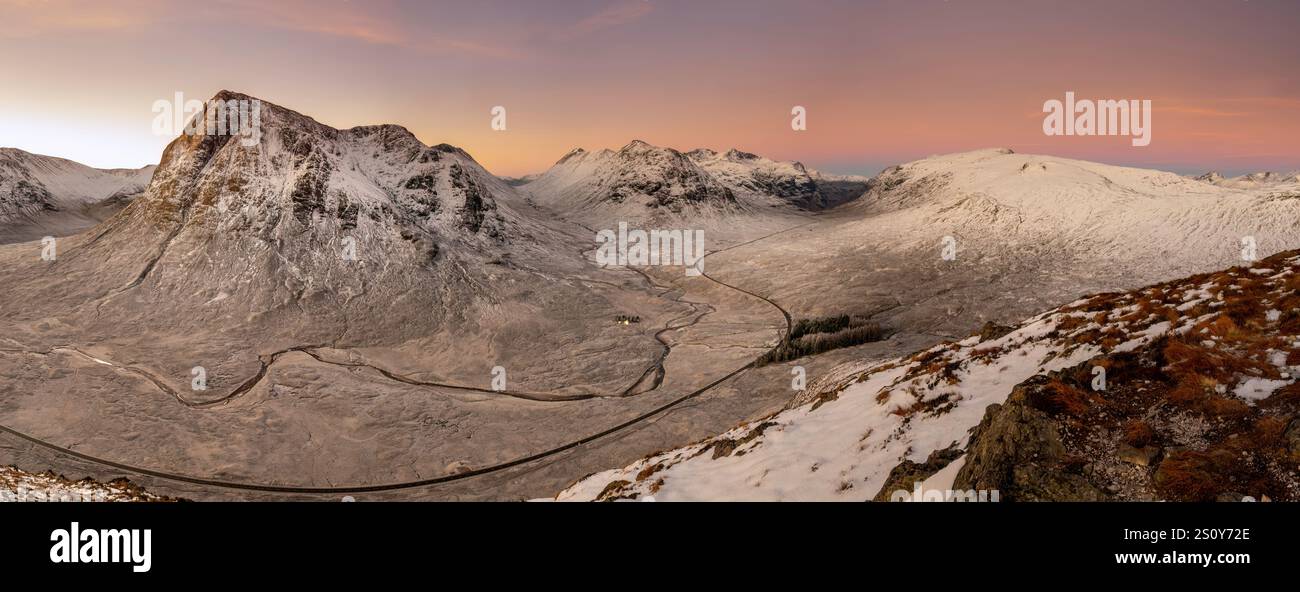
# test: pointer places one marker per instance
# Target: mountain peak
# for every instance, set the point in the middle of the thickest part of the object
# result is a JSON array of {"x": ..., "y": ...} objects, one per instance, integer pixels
[
  {"x": 376, "y": 176},
  {"x": 575, "y": 153},
  {"x": 735, "y": 154},
  {"x": 230, "y": 95},
  {"x": 640, "y": 146}
]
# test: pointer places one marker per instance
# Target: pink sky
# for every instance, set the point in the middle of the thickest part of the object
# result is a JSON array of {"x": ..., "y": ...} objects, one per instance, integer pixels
[{"x": 883, "y": 82}]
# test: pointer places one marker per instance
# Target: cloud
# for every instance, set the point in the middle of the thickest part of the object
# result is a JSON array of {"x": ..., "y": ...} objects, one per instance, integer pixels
[
  {"x": 33, "y": 18},
  {"x": 360, "y": 22},
  {"x": 614, "y": 15}
]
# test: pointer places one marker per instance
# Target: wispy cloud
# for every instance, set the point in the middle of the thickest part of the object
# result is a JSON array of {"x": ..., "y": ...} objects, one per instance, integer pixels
[
  {"x": 32, "y": 18},
  {"x": 367, "y": 23},
  {"x": 373, "y": 22},
  {"x": 614, "y": 15}
]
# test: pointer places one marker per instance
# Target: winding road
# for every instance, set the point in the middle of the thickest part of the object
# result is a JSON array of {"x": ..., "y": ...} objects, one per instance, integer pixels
[{"x": 312, "y": 351}]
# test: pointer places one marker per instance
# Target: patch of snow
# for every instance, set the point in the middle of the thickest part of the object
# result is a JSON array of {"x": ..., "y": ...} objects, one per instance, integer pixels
[{"x": 1257, "y": 389}]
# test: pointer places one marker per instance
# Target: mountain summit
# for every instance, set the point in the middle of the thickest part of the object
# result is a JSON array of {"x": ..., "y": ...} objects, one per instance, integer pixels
[
  {"x": 641, "y": 180},
  {"x": 637, "y": 178},
  {"x": 306, "y": 180}
]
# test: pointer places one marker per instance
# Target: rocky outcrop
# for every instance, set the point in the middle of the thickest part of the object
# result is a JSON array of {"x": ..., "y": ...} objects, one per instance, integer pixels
[{"x": 1017, "y": 451}]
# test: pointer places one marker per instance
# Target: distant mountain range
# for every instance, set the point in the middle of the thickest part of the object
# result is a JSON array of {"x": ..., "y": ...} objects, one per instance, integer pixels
[{"x": 1252, "y": 180}]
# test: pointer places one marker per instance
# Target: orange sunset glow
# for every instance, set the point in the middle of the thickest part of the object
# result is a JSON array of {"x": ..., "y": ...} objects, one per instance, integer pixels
[{"x": 882, "y": 82}]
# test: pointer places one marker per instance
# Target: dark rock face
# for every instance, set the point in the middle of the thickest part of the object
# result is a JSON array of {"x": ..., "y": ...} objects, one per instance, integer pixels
[
  {"x": 27, "y": 195},
  {"x": 1017, "y": 451},
  {"x": 308, "y": 195},
  {"x": 346, "y": 212},
  {"x": 476, "y": 207},
  {"x": 991, "y": 331},
  {"x": 666, "y": 176},
  {"x": 420, "y": 195},
  {"x": 800, "y": 190}
]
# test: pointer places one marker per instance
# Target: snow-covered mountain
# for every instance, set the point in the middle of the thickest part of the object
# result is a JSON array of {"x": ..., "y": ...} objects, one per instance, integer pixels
[
  {"x": 778, "y": 182},
  {"x": 1252, "y": 180},
  {"x": 994, "y": 200},
  {"x": 636, "y": 181},
  {"x": 300, "y": 208},
  {"x": 42, "y": 195},
  {"x": 1196, "y": 401},
  {"x": 641, "y": 180}
]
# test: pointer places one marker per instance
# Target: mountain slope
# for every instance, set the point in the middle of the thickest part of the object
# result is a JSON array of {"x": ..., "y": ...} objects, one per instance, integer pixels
[
  {"x": 44, "y": 195},
  {"x": 1199, "y": 402}
]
